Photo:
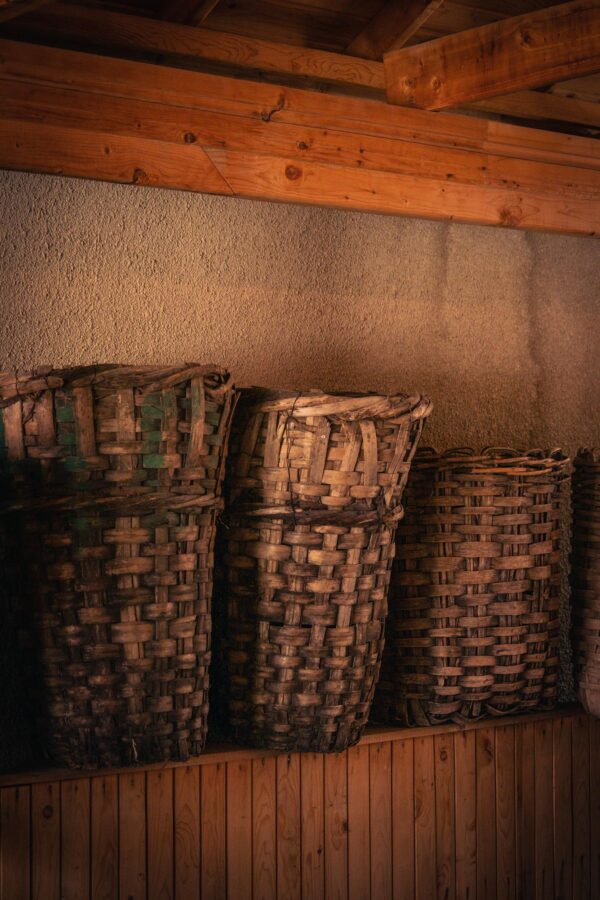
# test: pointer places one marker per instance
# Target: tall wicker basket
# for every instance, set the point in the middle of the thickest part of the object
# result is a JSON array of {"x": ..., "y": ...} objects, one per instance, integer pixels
[
  {"x": 112, "y": 481},
  {"x": 585, "y": 578},
  {"x": 316, "y": 487},
  {"x": 474, "y": 600}
]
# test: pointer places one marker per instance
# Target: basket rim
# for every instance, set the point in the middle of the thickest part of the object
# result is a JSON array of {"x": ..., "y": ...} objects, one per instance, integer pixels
[
  {"x": 587, "y": 456},
  {"x": 506, "y": 460},
  {"x": 20, "y": 384},
  {"x": 346, "y": 406}
]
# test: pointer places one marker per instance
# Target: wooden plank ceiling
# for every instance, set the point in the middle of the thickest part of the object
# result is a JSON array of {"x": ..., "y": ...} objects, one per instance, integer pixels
[{"x": 275, "y": 99}]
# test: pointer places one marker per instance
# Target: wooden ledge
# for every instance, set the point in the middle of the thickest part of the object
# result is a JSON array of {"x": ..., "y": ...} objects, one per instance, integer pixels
[{"x": 223, "y": 752}]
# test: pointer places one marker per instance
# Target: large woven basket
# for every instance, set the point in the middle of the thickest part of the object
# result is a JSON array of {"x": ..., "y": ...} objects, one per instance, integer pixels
[
  {"x": 112, "y": 478},
  {"x": 585, "y": 578},
  {"x": 474, "y": 601},
  {"x": 316, "y": 490}
]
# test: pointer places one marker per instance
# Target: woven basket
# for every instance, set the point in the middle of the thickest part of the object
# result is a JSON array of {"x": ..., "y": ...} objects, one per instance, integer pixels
[
  {"x": 113, "y": 481},
  {"x": 585, "y": 578},
  {"x": 473, "y": 626},
  {"x": 316, "y": 491}
]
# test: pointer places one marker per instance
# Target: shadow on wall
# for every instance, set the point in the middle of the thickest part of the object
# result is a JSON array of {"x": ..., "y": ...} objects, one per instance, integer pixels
[{"x": 498, "y": 327}]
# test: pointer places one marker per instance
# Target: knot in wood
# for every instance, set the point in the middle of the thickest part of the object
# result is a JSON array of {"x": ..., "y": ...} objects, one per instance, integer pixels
[{"x": 293, "y": 172}]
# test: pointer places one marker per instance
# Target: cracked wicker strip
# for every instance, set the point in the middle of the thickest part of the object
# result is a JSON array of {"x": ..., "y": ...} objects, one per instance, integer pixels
[
  {"x": 119, "y": 471},
  {"x": 474, "y": 597},
  {"x": 585, "y": 578},
  {"x": 316, "y": 490}
]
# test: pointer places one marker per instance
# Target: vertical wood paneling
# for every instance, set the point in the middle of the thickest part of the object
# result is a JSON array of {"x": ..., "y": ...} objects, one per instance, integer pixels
[
  {"x": 105, "y": 843},
  {"x": 595, "y": 805},
  {"x": 15, "y": 835},
  {"x": 359, "y": 826},
  {"x": 403, "y": 817},
  {"x": 336, "y": 827},
  {"x": 380, "y": 799},
  {"x": 313, "y": 825},
  {"x": 132, "y": 835},
  {"x": 289, "y": 863},
  {"x": 503, "y": 811},
  {"x": 563, "y": 816},
  {"x": 485, "y": 744},
  {"x": 75, "y": 839},
  {"x": 213, "y": 867},
  {"x": 544, "y": 813},
  {"x": 187, "y": 833},
  {"x": 525, "y": 809},
  {"x": 159, "y": 800},
  {"x": 239, "y": 829},
  {"x": 581, "y": 808},
  {"x": 45, "y": 841},
  {"x": 264, "y": 836},
  {"x": 424, "y": 819},
  {"x": 444, "y": 816},
  {"x": 506, "y": 879},
  {"x": 465, "y": 805}
]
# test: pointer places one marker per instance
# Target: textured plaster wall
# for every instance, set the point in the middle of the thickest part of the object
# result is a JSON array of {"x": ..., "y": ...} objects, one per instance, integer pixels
[{"x": 500, "y": 328}]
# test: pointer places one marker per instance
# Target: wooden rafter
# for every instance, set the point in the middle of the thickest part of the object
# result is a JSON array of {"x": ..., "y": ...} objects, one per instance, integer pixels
[
  {"x": 192, "y": 12},
  {"x": 116, "y": 120},
  {"x": 392, "y": 27},
  {"x": 12, "y": 9},
  {"x": 120, "y": 34},
  {"x": 526, "y": 51}
]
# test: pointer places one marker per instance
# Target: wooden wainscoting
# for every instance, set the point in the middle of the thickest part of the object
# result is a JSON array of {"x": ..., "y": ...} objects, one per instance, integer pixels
[{"x": 502, "y": 809}]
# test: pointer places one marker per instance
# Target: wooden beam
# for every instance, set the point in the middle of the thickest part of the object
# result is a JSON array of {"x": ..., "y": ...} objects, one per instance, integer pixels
[
  {"x": 392, "y": 27},
  {"x": 542, "y": 106},
  {"x": 78, "y": 114},
  {"x": 12, "y": 9},
  {"x": 116, "y": 32},
  {"x": 527, "y": 51},
  {"x": 192, "y": 12}
]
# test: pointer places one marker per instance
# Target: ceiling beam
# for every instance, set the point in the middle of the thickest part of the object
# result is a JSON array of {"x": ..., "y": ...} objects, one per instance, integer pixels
[
  {"x": 12, "y": 9},
  {"x": 117, "y": 32},
  {"x": 527, "y": 51},
  {"x": 78, "y": 114},
  {"x": 392, "y": 27},
  {"x": 544, "y": 107},
  {"x": 191, "y": 12}
]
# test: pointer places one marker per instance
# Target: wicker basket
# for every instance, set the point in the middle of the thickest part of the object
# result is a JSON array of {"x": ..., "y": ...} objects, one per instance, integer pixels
[
  {"x": 114, "y": 479},
  {"x": 316, "y": 491},
  {"x": 473, "y": 626},
  {"x": 585, "y": 578}
]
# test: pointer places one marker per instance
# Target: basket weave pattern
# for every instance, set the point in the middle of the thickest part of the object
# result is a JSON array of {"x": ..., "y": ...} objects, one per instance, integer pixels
[
  {"x": 474, "y": 598},
  {"x": 316, "y": 487},
  {"x": 117, "y": 476},
  {"x": 585, "y": 578}
]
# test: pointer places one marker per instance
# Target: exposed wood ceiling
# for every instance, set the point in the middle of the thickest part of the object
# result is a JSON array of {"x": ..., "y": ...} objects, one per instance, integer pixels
[{"x": 293, "y": 40}]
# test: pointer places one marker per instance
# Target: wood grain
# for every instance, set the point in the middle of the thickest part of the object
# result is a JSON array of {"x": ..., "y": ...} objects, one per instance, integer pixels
[
  {"x": 485, "y": 744},
  {"x": 544, "y": 813},
  {"x": 213, "y": 818},
  {"x": 562, "y": 784},
  {"x": 465, "y": 798},
  {"x": 581, "y": 802},
  {"x": 264, "y": 829},
  {"x": 15, "y": 849},
  {"x": 289, "y": 863},
  {"x": 160, "y": 835},
  {"x": 75, "y": 839},
  {"x": 359, "y": 824},
  {"x": 380, "y": 799},
  {"x": 132, "y": 835},
  {"x": 187, "y": 833},
  {"x": 506, "y": 881},
  {"x": 525, "y": 809},
  {"x": 104, "y": 838},
  {"x": 336, "y": 826},
  {"x": 403, "y": 813},
  {"x": 45, "y": 841},
  {"x": 425, "y": 880},
  {"x": 525, "y": 51},
  {"x": 239, "y": 829},
  {"x": 313, "y": 825},
  {"x": 445, "y": 825}
]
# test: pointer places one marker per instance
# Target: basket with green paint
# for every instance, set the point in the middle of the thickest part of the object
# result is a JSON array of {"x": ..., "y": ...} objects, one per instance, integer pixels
[{"x": 111, "y": 478}]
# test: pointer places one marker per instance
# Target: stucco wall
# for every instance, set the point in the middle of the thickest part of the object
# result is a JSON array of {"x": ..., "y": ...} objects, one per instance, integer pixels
[{"x": 500, "y": 328}]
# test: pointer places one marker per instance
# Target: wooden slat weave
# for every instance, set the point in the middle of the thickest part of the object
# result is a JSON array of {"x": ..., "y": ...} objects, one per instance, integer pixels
[
  {"x": 474, "y": 597},
  {"x": 585, "y": 577},
  {"x": 115, "y": 477},
  {"x": 316, "y": 490}
]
